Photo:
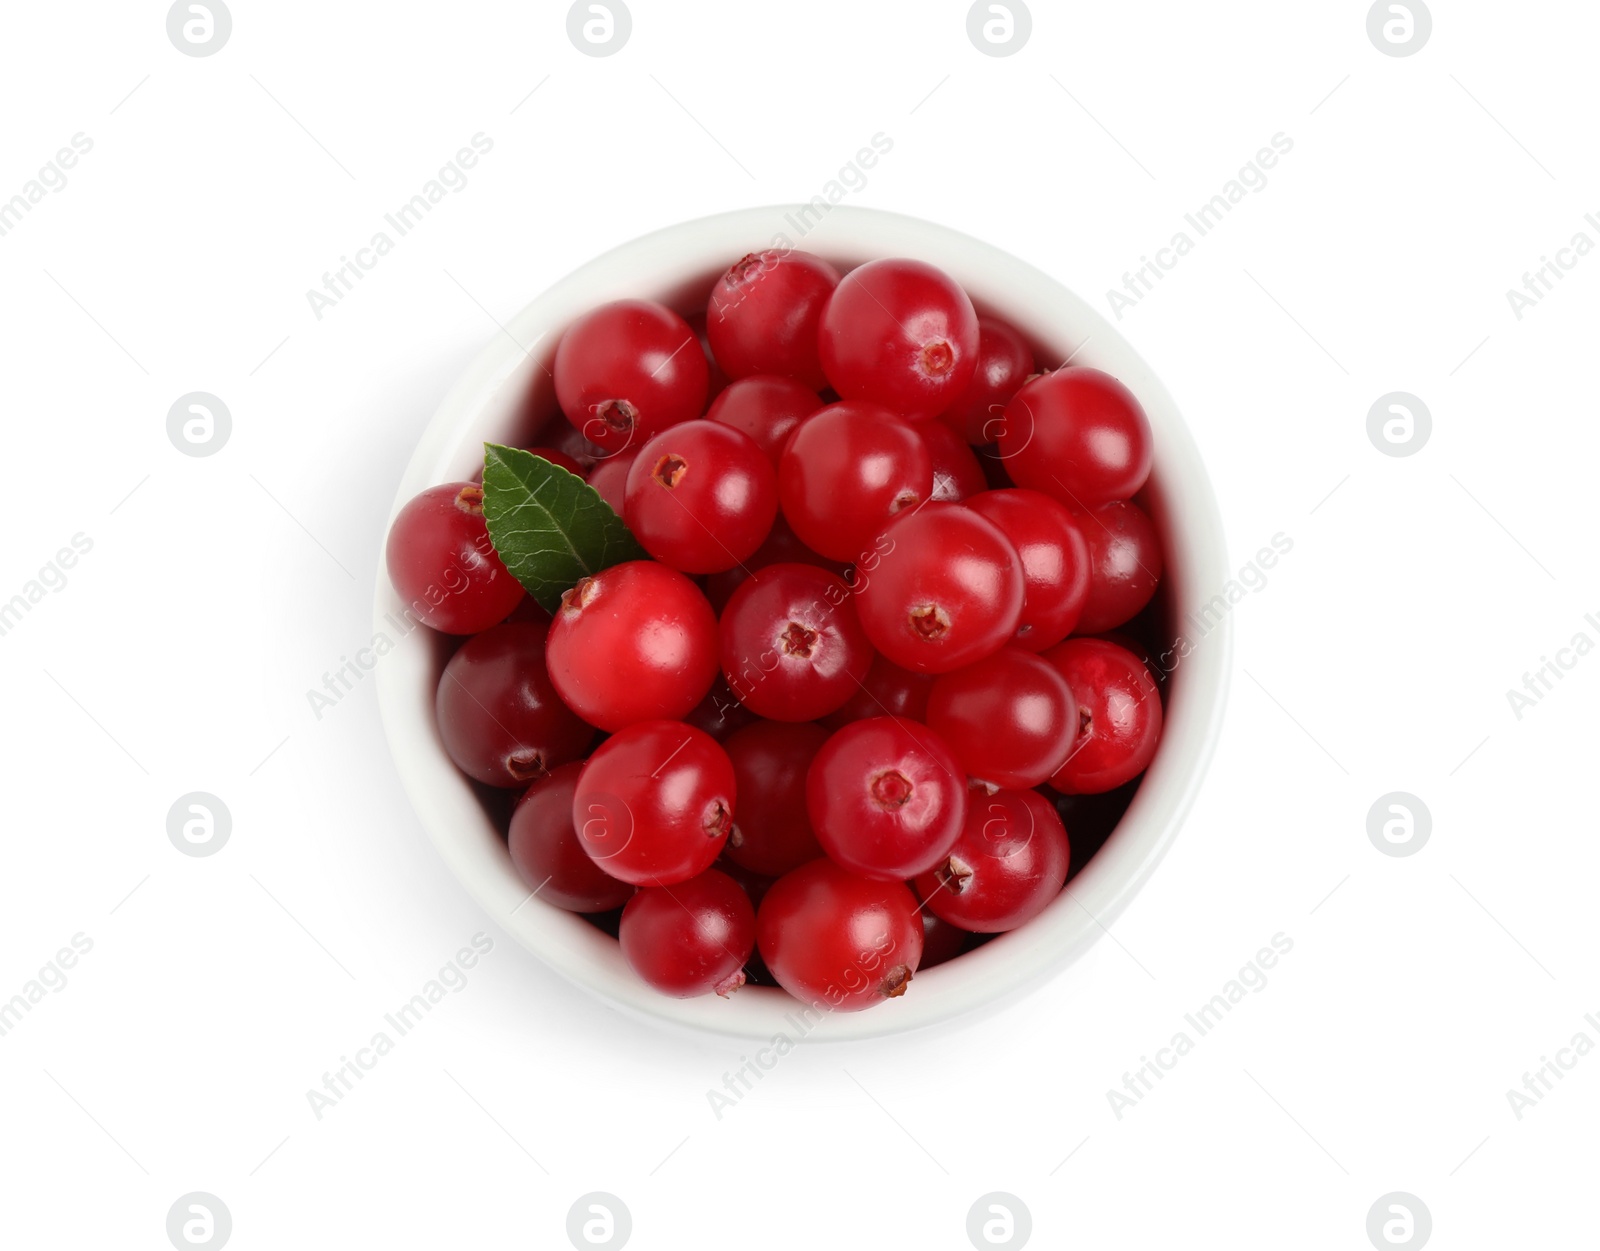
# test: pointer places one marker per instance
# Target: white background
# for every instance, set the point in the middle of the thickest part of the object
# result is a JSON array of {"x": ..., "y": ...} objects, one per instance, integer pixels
[{"x": 1377, "y": 658}]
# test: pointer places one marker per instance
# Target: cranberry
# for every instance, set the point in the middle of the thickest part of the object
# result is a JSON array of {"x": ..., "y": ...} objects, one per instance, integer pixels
[
  {"x": 1119, "y": 716},
  {"x": 1010, "y": 719},
  {"x": 836, "y": 941},
  {"x": 792, "y": 648},
  {"x": 631, "y": 643},
  {"x": 773, "y": 833},
  {"x": 1009, "y": 863},
  {"x": 701, "y": 497},
  {"x": 691, "y": 938},
  {"x": 498, "y": 713},
  {"x": 846, "y": 471},
  {"x": 560, "y": 459},
  {"x": 886, "y": 797},
  {"x": 767, "y": 407},
  {"x": 1055, "y": 562},
  {"x": 899, "y": 333},
  {"x": 547, "y": 853},
  {"x": 782, "y": 546},
  {"x": 654, "y": 804},
  {"x": 1077, "y": 434},
  {"x": 1124, "y": 565},
  {"x": 610, "y": 478},
  {"x": 1005, "y": 362},
  {"x": 886, "y": 691},
  {"x": 626, "y": 371},
  {"x": 946, "y": 592},
  {"x": 956, "y": 471},
  {"x": 443, "y": 565},
  {"x": 763, "y": 315}
]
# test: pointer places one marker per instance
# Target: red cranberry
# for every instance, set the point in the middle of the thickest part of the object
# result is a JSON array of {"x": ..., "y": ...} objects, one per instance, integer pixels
[
  {"x": 836, "y": 941},
  {"x": 1005, "y": 362},
  {"x": 1079, "y": 435},
  {"x": 886, "y": 691},
  {"x": 1124, "y": 565},
  {"x": 1119, "y": 716},
  {"x": 443, "y": 565},
  {"x": 1009, "y": 863},
  {"x": 956, "y": 471},
  {"x": 610, "y": 478},
  {"x": 767, "y": 407},
  {"x": 1010, "y": 719},
  {"x": 763, "y": 315},
  {"x": 770, "y": 758},
  {"x": 549, "y": 856},
  {"x": 691, "y": 938},
  {"x": 1055, "y": 562}
]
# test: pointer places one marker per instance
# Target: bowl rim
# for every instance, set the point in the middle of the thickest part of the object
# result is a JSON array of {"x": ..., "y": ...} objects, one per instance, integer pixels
[{"x": 670, "y": 264}]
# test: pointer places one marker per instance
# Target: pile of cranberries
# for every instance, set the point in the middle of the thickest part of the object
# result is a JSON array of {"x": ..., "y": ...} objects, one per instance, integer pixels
[{"x": 827, "y": 734}]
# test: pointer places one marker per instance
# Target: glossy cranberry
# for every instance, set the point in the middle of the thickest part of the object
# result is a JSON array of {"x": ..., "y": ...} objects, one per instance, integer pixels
[
  {"x": 791, "y": 646},
  {"x": 692, "y": 938},
  {"x": 886, "y": 691},
  {"x": 764, "y": 311},
  {"x": 549, "y": 856},
  {"x": 1119, "y": 716},
  {"x": 956, "y": 471},
  {"x": 886, "y": 797},
  {"x": 1055, "y": 562},
  {"x": 1079, "y": 435},
  {"x": 899, "y": 333},
  {"x": 610, "y": 478},
  {"x": 1005, "y": 362},
  {"x": 1124, "y": 565},
  {"x": 941, "y": 941},
  {"x": 767, "y": 407},
  {"x": 1009, "y": 863},
  {"x": 626, "y": 371},
  {"x": 443, "y": 565},
  {"x": 634, "y": 642},
  {"x": 946, "y": 590},
  {"x": 837, "y": 941},
  {"x": 1010, "y": 719},
  {"x": 770, "y": 758},
  {"x": 782, "y": 546},
  {"x": 655, "y": 803},
  {"x": 846, "y": 471},
  {"x": 701, "y": 497},
  {"x": 498, "y": 713}
]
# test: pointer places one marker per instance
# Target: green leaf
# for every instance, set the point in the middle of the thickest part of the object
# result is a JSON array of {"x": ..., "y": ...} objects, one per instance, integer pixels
[{"x": 550, "y": 527}]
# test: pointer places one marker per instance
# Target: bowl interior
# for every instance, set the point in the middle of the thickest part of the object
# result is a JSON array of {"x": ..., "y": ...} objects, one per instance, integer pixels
[{"x": 508, "y": 392}]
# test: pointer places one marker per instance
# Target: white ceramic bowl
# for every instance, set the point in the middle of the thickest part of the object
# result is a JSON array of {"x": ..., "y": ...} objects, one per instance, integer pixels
[{"x": 677, "y": 265}]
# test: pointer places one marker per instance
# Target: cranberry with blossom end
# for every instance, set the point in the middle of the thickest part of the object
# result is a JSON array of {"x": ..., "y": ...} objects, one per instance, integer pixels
[
  {"x": 957, "y": 475},
  {"x": 655, "y": 803},
  {"x": 846, "y": 472},
  {"x": 1077, "y": 434},
  {"x": 900, "y": 333},
  {"x": 443, "y": 565},
  {"x": 498, "y": 712},
  {"x": 626, "y": 371},
  {"x": 763, "y": 315},
  {"x": 549, "y": 856},
  {"x": 1119, "y": 716},
  {"x": 770, "y": 759},
  {"x": 837, "y": 941},
  {"x": 701, "y": 497},
  {"x": 1055, "y": 562},
  {"x": 1005, "y": 362},
  {"x": 767, "y": 407},
  {"x": 791, "y": 646},
  {"x": 692, "y": 938},
  {"x": 634, "y": 642},
  {"x": 1009, "y": 863},
  {"x": 887, "y": 797},
  {"x": 945, "y": 592},
  {"x": 1124, "y": 565},
  {"x": 1010, "y": 719}
]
